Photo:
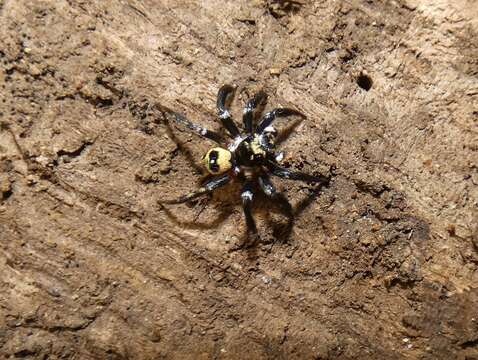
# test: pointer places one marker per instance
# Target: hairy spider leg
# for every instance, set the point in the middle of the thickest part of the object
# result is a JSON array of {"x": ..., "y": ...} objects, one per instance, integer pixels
[
  {"x": 269, "y": 118},
  {"x": 270, "y": 191},
  {"x": 295, "y": 175},
  {"x": 247, "y": 196},
  {"x": 224, "y": 98},
  {"x": 198, "y": 129},
  {"x": 252, "y": 106},
  {"x": 208, "y": 187}
]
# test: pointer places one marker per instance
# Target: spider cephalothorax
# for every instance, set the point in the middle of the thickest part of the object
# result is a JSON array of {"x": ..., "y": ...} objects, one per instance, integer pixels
[{"x": 249, "y": 157}]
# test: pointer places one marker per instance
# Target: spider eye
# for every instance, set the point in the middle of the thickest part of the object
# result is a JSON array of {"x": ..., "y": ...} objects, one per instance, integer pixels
[{"x": 218, "y": 160}]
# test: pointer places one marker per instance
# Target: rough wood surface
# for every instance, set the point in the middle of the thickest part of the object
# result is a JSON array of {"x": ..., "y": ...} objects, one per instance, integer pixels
[{"x": 381, "y": 264}]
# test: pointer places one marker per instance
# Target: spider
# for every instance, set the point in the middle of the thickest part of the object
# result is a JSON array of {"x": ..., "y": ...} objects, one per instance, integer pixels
[{"x": 249, "y": 157}]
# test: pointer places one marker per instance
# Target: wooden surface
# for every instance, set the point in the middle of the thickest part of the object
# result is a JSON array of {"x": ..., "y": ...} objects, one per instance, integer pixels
[{"x": 380, "y": 264}]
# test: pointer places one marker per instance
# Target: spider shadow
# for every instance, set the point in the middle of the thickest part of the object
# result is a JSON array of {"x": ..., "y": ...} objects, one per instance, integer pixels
[
  {"x": 182, "y": 148},
  {"x": 224, "y": 213},
  {"x": 223, "y": 196},
  {"x": 281, "y": 231},
  {"x": 287, "y": 131}
]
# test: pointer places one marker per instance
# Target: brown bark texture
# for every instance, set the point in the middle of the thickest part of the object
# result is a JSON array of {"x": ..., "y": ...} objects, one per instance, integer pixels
[{"x": 379, "y": 264}]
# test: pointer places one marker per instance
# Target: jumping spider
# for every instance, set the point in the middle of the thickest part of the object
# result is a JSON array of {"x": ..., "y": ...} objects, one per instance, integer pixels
[{"x": 249, "y": 157}]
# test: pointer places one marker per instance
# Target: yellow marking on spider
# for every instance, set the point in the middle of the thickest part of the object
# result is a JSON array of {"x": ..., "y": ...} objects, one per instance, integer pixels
[
  {"x": 218, "y": 160},
  {"x": 256, "y": 147}
]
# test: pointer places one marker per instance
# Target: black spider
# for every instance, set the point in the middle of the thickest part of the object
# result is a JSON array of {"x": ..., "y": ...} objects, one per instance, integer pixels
[{"x": 250, "y": 157}]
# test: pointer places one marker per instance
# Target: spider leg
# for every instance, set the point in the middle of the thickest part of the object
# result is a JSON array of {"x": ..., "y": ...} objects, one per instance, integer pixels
[
  {"x": 202, "y": 131},
  {"x": 258, "y": 101},
  {"x": 224, "y": 98},
  {"x": 270, "y": 190},
  {"x": 208, "y": 187},
  {"x": 284, "y": 173},
  {"x": 269, "y": 118},
  {"x": 247, "y": 195}
]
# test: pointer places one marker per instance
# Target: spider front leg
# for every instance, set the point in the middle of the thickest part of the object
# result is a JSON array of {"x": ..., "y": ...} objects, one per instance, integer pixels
[
  {"x": 284, "y": 173},
  {"x": 247, "y": 196},
  {"x": 208, "y": 187},
  {"x": 224, "y": 98},
  {"x": 269, "y": 118},
  {"x": 256, "y": 103}
]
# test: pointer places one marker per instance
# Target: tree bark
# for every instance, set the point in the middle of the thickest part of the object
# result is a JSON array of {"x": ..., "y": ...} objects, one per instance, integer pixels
[{"x": 381, "y": 263}]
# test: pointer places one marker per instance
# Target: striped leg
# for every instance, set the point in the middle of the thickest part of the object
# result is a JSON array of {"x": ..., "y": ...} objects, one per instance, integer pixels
[
  {"x": 209, "y": 187},
  {"x": 247, "y": 197},
  {"x": 269, "y": 118},
  {"x": 224, "y": 98},
  {"x": 284, "y": 173},
  {"x": 254, "y": 104},
  {"x": 182, "y": 120}
]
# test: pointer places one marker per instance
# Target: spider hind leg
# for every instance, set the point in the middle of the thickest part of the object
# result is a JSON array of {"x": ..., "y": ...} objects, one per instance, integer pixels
[
  {"x": 284, "y": 173},
  {"x": 247, "y": 196},
  {"x": 282, "y": 231},
  {"x": 208, "y": 187},
  {"x": 271, "y": 192}
]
